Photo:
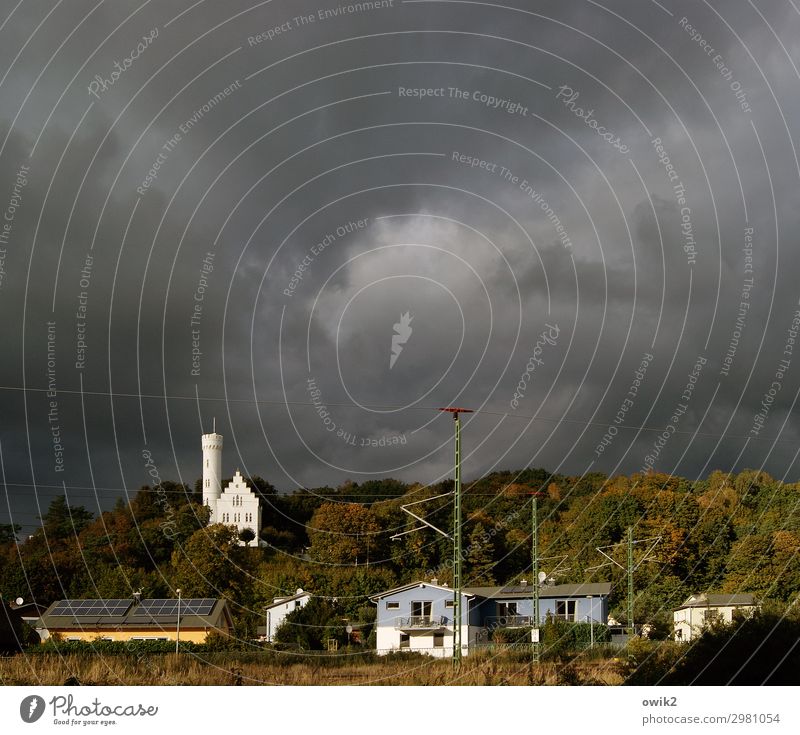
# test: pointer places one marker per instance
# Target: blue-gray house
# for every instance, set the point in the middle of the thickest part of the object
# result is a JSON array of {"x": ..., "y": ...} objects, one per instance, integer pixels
[{"x": 419, "y": 616}]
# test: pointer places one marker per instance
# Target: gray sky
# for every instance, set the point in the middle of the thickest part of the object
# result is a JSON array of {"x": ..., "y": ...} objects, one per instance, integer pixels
[{"x": 519, "y": 212}]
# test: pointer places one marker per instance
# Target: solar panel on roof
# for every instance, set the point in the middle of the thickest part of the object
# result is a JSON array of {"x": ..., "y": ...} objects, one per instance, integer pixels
[
  {"x": 163, "y": 607},
  {"x": 91, "y": 607}
]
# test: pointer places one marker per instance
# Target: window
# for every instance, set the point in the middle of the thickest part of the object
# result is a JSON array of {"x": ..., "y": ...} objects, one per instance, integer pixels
[
  {"x": 421, "y": 609},
  {"x": 405, "y": 640},
  {"x": 438, "y": 640},
  {"x": 449, "y": 603},
  {"x": 208, "y": 483},
  {"x": 206, "y": 463},
  {"x": 392, "y": 605},
  {"x": 565, "y": 610}
]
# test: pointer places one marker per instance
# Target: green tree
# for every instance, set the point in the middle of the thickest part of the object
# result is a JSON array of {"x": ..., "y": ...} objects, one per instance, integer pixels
[
  {"x": 309, "y": 627},
  {"x": 62, "y": 520},
  {"x": 8, "y": 532},
  {"x": 211, "y": 564},
  {"x": 480, "y": 556}
]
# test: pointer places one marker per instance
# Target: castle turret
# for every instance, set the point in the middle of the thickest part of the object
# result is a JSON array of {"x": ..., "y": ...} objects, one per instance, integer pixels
[{"x": 212, "y": 471}]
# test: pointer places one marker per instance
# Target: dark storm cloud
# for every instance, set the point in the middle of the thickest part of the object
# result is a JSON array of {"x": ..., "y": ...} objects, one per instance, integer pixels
[{"x": 249, "y": 174}]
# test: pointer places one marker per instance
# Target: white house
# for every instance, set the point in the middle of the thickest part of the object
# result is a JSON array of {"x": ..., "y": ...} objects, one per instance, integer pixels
[
  {"x": 275, "y": 614},
  {"x": 237, "y": 505},
  {"x": 699, "y": 611},
  {"x": 419, "y": 617}
]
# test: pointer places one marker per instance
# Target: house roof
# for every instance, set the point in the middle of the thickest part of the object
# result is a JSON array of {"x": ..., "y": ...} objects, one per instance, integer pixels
[
  {"x": 283, "y": 600},
  {"x": 134, "y": 617},
  {"x": 584, "y": 589},
  {"x": 403, "y": 588},
  {"x": 594, "y": 589},
  {"x": 28, "y": 609},
  {"x": 719, "y": 600}
]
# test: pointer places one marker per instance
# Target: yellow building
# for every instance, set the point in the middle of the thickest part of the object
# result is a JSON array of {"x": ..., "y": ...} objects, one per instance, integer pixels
[{"x": 135, "y": 619}]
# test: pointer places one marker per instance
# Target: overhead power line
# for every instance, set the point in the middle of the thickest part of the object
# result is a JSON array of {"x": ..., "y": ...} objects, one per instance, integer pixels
[{"x": 395, "y": 407}]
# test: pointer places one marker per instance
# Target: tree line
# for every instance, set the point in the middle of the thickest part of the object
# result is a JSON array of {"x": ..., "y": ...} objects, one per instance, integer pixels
[{"x": 725, "y": 533}]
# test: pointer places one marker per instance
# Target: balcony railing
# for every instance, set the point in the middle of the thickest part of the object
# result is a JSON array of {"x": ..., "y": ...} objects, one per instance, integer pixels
[
  {"x": 508, "y": 621},
  {"x": 422, "y": 622}
]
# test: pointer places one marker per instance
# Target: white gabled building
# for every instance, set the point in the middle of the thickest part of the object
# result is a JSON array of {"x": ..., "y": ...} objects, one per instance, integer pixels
[
  {"x": 700, "y": 611},
  {"x": 237, "y": 505},
  {"x": 276, "y": 613}
]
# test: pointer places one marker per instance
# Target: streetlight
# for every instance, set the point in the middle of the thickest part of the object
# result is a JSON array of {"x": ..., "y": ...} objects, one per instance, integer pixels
[
  {"x": 178, "y": 624},
  {"x": 591, "y": 620}
]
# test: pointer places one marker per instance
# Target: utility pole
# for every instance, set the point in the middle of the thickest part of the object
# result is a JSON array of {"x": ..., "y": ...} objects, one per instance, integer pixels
[
  {"x": 178, "y": 624},
  {"x": 535, "y": 581},
  {"x": 630, "y": 567},
  {"x": 457, "y": 611},
  {"x": 630, "y": 581}
]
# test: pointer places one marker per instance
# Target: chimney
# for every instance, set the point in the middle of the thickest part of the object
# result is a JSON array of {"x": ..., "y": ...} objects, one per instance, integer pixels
[
  {"x": 434, "y": 580},
  {"x": 524, "y": 582}
]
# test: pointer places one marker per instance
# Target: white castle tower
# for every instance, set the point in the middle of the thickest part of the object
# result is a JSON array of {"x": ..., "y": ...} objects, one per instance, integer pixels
[
  {"x": 212, "y": 470},
  {"x": 237, "y": 505}
]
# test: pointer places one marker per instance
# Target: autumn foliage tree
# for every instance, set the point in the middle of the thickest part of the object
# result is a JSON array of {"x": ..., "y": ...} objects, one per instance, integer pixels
[{"x": 344, "y": 533}]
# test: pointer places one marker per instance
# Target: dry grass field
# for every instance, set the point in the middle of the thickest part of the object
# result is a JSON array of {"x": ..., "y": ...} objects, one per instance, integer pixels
[{"x": 188, "y": 669}]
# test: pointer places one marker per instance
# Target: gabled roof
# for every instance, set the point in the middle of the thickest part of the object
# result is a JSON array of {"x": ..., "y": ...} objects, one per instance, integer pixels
[
  {"x": 584, "y": 589},
  {"x": 403, "y": 588},
  {"x": 135, "y": 618},
  {"x": 720, "y": 600},
  {"x": 593, "y": 589},
  {"x": 283, "y": 600}
]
